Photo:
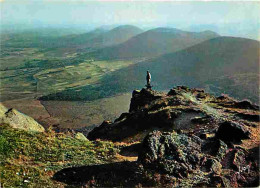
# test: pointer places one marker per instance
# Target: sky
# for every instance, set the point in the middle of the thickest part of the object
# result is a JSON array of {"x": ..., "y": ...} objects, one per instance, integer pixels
[{"x": 228, "y": 18}]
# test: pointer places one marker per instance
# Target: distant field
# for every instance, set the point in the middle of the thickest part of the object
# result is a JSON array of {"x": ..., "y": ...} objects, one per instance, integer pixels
[
  {"x": 31, "y": 67},
  {"x": 31, "y": 73}
]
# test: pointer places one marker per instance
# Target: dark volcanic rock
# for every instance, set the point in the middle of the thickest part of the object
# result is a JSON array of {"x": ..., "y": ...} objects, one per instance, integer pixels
[
  {"x": 194, "y": 162},
  {"x": 215, "y": 147},
  {"x": 171, "y": 153},
  {"x": 246, "y": 105},
  {"x": 142, "y": 98},
  {"x": 232, "y": 132},
  {"x": 224, "y": 98}
]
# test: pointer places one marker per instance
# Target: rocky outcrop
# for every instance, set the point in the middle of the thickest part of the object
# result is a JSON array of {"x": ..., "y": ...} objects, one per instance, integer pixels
[
  {"x": 18, "y": 120},
  {"x": 142, "y": 98},
  {"x": 189, "y": 138},
  {"x": 181, "y": 109}
]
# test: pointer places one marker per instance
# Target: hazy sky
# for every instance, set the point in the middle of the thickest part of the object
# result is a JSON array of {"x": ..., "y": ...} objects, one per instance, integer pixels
[{"x": 242, "y": 16}]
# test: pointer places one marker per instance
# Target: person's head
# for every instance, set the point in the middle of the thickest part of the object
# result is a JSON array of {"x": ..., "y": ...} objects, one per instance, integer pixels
[{"x": 147, "y": 71}]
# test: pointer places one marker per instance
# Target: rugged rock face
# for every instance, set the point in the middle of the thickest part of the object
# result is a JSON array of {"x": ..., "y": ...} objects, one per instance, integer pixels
[
  {"x": 191, "y": 161},
  {"x": 18, "y": 120},
  {"x": 143, "y": 98},
  {"x": 171, "y": 153},
  {"x": 183, "y": 109},
  {"x": 190, "y": 138}
]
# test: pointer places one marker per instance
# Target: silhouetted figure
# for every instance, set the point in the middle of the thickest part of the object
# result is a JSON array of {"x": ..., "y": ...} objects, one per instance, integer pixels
[{"x": 148, "y": 80}]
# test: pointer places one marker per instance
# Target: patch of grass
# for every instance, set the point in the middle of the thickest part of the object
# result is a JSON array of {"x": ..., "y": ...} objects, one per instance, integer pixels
[{"x": 30, "y": 159}]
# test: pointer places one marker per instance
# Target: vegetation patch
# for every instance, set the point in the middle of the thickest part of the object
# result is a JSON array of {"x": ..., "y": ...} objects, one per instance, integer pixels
[{"x": 29, "y": 159}]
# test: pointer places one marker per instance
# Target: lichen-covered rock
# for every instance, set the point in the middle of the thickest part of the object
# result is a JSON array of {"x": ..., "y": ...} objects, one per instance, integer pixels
[
  {"x": 239, "y": 160},
  {"x": 214, "y": 166},
  {"x": 3, "y": 110},
  {"x": 171, "y": 153},
  {"x": 80, "y": 136},
  {"x": 18, "y": 120}
]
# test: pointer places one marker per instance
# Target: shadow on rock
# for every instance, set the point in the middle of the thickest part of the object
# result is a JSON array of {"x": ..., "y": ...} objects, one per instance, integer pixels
[{"x": 105, "y": 175}]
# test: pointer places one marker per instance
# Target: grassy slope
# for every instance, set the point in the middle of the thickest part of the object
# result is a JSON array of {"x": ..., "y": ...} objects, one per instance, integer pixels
[{"x": 31, "y": 159}]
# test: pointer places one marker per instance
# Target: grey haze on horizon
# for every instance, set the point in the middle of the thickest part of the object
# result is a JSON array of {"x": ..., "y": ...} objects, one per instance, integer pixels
[{"x": 240, "y": 19}]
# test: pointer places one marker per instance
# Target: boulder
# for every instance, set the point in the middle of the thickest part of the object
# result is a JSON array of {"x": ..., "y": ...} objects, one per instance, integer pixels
[
  {"x": 80, "y": 136},
  {"x": 170, "y": 153},
  {"x": 232, "y": 132},
  {"x": 3, "y": 110},
  {"x": 18, "y": 120}
]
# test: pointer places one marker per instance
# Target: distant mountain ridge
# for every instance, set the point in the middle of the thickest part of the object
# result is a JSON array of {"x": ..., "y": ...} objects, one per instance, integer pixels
[
  {"x": 154, "y": 42},
  {"x": 221, "y": 65},
  {"x": 115, "y": 36},
  {"x": 98, "y": 38}
]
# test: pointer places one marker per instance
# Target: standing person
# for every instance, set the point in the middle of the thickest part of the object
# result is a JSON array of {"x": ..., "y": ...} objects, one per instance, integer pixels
[{"x": 148, "y": 78}]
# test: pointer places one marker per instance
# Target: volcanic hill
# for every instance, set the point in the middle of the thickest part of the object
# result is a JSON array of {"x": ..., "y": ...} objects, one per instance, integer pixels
[{"x": 154, "y": 42}]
